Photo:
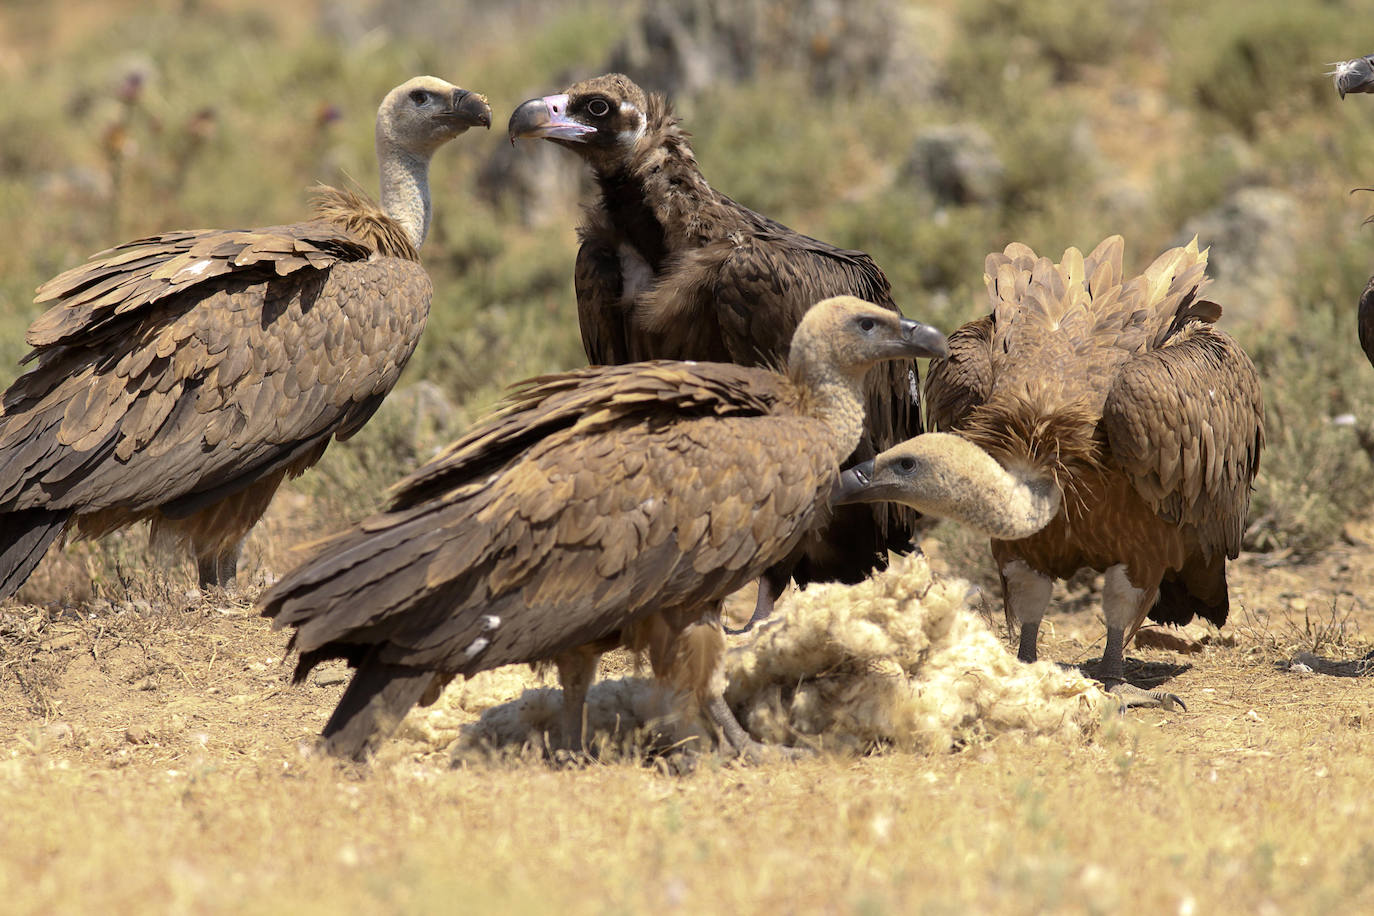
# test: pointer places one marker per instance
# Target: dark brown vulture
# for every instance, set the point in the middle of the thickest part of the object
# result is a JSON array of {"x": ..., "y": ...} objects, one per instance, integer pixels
[
  {"x": 670, "y": 268},
  {"x": 616, "y": 504},
  {"x": 1358, "y": 76},
  {"x": 1127, "y": 429},
  {"x": 1354, "y": 75},
  {"x": 181, "y": 377}
]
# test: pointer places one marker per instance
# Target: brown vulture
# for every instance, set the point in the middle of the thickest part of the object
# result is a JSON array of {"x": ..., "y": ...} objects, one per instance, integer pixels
[
  {"x": 670, "y": 268},
  {"x": 1126, "y": 433},
  {"x": 181, "y": 377},
  {"x": 1358, "y": 76},
  {"x": 609, "y": 504}
]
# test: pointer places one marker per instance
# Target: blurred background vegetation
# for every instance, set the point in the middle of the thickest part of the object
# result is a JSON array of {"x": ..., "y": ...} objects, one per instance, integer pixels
[{"x": 927, "y": 133}]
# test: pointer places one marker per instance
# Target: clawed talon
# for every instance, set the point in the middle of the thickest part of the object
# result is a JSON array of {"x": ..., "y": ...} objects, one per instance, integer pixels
[{"x": 1130, "y": 695}]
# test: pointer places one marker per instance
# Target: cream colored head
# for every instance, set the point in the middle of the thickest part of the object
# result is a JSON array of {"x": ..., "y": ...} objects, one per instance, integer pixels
[
  {"x": 949, "y": 477},
  {"x": 414, "y": 120},
  {"x": 845, "y": 336},
  {"x": 424, "y": 113}
]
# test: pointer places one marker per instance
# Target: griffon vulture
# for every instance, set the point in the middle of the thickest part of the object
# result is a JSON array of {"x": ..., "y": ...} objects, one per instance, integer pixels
[
  {"x": 1126, "y": 432},
  {"x": 181, "y": 377},
  {"x": 607, "y": 504},
  {"x": 670, "y": 268}
]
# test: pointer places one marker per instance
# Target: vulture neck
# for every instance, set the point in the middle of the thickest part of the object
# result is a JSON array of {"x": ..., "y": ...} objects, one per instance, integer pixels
[
  {"x": 660, "y": 201},
  {"x": 405, "y": 188},
  {"x": 834, "y": 398}
]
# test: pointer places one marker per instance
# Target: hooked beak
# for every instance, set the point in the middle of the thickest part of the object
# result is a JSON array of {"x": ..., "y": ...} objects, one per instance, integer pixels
[
  {"x": 922, "y": 340},
  {"x": 1354, "y": 75},
  {"x": 546, "y": 118},
  {"x": 853, "y": 486},
  {"x": 470, "y": 109}
]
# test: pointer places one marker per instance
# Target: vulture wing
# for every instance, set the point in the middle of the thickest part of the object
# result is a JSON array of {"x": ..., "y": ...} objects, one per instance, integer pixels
[
  {"x": 591, "y": 501},
  {"x": 600, "y": 315},
  {"x": 1185, "y": 422},
  {"x": 203, "y": 385},
  {"x": 963, "y": 380},
  {"x": 124, "y": 280},
  {"x": 1366, "y": 319}
]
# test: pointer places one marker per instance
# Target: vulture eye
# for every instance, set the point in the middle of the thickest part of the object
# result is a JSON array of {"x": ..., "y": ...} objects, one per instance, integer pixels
[
  {"x": 598, "y": 108},
  {"x": 867, "y": 324},
  {"x": 419, "y": 96},
  {"x": 906, "y": 464}
]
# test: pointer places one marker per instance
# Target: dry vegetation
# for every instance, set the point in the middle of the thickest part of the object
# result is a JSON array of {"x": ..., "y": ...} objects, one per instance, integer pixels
[{"x": 149, "y": 739}]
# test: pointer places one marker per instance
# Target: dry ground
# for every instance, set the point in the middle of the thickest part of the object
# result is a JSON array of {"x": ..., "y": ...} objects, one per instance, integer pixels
[{"x": 150, "y": 760}]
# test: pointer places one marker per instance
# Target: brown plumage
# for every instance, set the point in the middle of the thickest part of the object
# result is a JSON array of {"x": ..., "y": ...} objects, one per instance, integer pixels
[
  {"x": 599, "y": 506},
  {"x": 1357, "y": 75},
  {"x": 180, "y": 378},
  {"x": 670, "y": 268},
  {"x": 1148, "y": 421}
]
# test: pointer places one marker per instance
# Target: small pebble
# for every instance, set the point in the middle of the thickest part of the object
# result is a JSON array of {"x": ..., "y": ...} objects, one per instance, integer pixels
[{"x": 137, "y": 734}]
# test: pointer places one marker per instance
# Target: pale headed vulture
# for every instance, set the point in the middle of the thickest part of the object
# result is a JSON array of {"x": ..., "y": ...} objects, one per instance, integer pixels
[
  {"x": 610, "y": 503},
  {"x": 1126, "y": 432},
  {"x": 181, "y": 377},
  {"x": 670, "y": 268}
]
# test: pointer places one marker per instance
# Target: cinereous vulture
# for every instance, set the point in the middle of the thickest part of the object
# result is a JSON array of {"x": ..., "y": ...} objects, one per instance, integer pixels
[
  {"x": 670, "y": 268},
  {"x": 1358, "y": 76},
  {"x": 610, "y": 503},
  {"x": 1126, "y": 432},
  {"x": 181, "y": 377}
]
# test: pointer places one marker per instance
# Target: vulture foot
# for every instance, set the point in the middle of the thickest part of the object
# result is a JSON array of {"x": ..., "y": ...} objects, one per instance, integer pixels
[
  {"x": 746, "y": 748},
  {"x": 1130, "y": 695},
  {"x": 564, "y": 758}
]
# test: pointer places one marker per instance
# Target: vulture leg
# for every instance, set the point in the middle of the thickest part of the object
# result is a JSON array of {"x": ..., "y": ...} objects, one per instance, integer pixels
[
  {"x": 1124, "y": 606},
  {"x": 1026, "y": 595},
  {"x": 771, "y": 585},
  {"x": 576, "y": 672},
  {"x": 219, "y": 570},
  {"x": 374, "y": 703}
]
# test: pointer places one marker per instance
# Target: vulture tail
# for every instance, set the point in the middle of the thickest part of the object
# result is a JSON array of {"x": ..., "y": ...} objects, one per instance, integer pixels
[
  {"x": 374, "y": 703},
  {"x": 24, "y": 537}
]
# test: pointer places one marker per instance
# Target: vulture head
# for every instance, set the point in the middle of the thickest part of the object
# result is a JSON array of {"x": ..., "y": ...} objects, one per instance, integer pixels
[
  {"x": 947, "y": 476},
  {"x": 601, "y": 119},
  {"x": 845, "y": 336},
  {"x": 424, "y": 113},
  {"x": 1354, "y": 75}
]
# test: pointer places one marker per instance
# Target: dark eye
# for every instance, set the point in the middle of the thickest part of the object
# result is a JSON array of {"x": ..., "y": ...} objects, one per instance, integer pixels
[
  {"x": 867, "y": 324},
  {"x": 598, "y": 108},
  {"x": 419, "y": 96},
  {"x": 907, "y": 465}
]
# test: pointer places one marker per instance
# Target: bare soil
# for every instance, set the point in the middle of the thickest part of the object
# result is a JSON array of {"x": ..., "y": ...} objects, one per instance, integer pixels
[{"x": 153, "y": 757}]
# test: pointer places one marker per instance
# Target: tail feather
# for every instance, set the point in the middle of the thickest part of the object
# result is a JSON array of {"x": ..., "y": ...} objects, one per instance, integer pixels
[
  {"x": 375, "y": 702},
  {"x": 24, "y": 537}
]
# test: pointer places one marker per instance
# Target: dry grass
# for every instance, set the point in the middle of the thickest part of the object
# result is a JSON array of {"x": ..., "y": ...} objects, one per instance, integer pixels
[{"x": 161, "y": 771}]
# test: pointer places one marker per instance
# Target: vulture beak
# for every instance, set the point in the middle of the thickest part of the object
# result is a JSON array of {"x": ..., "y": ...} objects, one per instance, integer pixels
[
  {"x": 1354, "y": 75},
  {"x": 922, "y": 340},
  {"x": 470, "y": 109},
  {"x": 853, "y": 486},
  {"x": 547, "y": 118}
]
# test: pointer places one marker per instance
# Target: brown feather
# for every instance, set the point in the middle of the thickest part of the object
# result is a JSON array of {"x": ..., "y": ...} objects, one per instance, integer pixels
[{"x": 1149, "y": 419}]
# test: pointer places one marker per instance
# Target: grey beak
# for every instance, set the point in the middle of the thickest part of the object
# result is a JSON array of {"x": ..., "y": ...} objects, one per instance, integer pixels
[
  {"x": 923, "y": 340},
  {"x": 851, "y": 485}
]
